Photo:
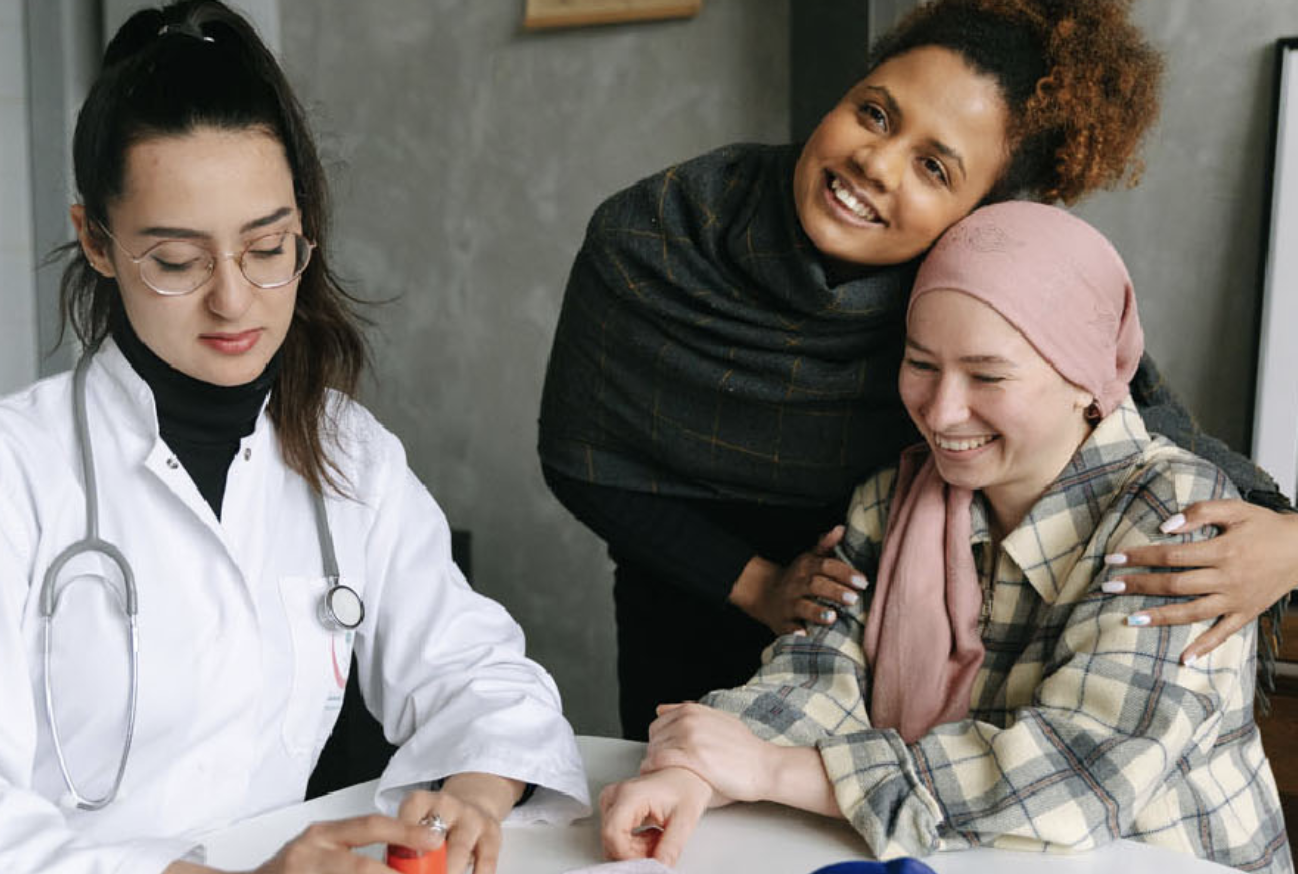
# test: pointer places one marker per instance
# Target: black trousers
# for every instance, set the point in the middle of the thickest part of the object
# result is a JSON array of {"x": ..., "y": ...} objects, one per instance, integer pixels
[{"x": 673, "y": 646}]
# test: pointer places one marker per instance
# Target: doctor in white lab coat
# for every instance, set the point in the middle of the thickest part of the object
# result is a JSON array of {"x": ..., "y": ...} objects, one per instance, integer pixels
[{"x": 200, "y": 281}]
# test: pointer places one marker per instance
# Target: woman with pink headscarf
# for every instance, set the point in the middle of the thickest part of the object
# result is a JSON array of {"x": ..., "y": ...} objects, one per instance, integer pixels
[{"x": 996, "y": 685}]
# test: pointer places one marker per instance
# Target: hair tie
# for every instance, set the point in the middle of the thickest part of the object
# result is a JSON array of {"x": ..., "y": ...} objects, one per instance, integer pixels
[{"x": 185, "y": 28}]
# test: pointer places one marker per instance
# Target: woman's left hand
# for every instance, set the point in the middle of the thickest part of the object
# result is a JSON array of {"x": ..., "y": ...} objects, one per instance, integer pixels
[
  {"x": 472, "y": 806},
  {"x": 1236, "y": 575},
  {"x": 713, "y": 744},
  {"x": 652, "y": 816}
]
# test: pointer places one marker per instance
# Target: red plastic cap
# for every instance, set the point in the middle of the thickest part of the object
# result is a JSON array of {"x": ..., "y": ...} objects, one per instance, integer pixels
[{"x": 409, "y": 861}]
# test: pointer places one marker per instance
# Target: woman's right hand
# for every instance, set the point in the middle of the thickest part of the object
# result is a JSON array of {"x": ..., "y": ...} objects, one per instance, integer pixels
[
  {"x": 713, "y": 744},
  {"x": 652, "y": 816},
  {"x": 787, "y": 599},
  {"x": 326, "y": 847}
]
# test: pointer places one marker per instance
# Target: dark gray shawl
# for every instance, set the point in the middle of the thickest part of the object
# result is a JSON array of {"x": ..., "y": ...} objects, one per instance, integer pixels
[{"x": 702, "y": 351}]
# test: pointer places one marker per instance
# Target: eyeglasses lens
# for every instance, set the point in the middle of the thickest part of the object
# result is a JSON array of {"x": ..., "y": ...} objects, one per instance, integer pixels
[
  {"x": 176, "y": 267},
  {"x": 179, "y": 267},
  {"x": 275, "y": 260}
]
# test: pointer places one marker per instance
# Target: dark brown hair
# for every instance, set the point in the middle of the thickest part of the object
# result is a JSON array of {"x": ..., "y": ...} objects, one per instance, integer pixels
[
  {"x": 1079, "y": 79},
  {"x": 167, "y": 72}
]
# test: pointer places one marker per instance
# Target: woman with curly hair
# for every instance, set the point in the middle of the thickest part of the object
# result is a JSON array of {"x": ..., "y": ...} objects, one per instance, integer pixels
[{"x": 725, "y": 365}]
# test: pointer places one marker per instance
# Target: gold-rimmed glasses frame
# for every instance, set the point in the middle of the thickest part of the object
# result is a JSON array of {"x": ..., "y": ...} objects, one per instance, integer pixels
[{"x": 191, "y": 264}]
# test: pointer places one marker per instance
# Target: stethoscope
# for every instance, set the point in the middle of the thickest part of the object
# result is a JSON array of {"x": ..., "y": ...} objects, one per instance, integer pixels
[{"x": 340, "y": 608}]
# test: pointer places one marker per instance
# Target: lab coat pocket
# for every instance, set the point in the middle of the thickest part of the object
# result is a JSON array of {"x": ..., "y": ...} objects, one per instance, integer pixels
[{"x": 320, "y": 663}]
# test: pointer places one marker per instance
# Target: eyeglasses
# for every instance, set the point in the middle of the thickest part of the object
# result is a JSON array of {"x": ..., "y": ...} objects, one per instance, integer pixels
[{"x": 176, "y": 267}]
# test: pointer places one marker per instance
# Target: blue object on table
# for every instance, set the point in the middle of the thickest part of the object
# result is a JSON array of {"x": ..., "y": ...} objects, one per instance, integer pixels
[{"x": 896, "y": 866}]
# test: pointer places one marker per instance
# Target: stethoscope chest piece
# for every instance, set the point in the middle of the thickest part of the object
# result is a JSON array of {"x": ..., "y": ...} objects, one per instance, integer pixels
[{"x": 341, "y": 609}]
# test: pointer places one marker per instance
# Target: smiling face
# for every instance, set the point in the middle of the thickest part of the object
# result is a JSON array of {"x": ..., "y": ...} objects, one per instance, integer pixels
[
  {"x": 910, "y": 150},
  {"x": 220, "y": 189},
  {"x": 996, "y": 415}
]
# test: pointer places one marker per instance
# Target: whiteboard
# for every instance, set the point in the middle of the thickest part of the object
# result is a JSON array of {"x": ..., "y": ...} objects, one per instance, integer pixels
[{"x": 1275, "y": 416}]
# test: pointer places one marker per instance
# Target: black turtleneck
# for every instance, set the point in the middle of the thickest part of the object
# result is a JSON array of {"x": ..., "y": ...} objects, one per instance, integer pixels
[{"x": 202, "y": 423}]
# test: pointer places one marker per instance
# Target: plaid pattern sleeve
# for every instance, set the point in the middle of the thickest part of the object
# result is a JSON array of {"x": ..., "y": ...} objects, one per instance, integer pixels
[
  {"x": 816, "y": 686},
  {"x": 1082, "y": 728}
]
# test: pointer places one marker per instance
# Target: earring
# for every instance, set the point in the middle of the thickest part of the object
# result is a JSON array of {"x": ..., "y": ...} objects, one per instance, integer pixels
[
  {"x": 1092, "y": 412},
  {"x": 101, "y": 266}
]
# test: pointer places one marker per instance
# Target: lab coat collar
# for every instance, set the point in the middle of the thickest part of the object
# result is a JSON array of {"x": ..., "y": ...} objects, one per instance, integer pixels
[
  {"x": 135, "y": 417},
  {"x": 134, "y": 407},
  {"x": 138, "y": 410}
]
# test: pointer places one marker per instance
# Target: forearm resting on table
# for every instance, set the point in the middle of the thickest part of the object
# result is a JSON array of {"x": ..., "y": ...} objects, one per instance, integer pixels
[{"x": 798, "y": 779}]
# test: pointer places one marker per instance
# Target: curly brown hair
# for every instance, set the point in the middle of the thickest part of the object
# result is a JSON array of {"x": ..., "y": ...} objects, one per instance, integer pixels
[{"x": 1079, "y": 79}]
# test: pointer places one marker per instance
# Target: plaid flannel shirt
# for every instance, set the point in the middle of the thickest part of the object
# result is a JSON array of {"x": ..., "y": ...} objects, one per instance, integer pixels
[{"x": 1081, "y": 729}]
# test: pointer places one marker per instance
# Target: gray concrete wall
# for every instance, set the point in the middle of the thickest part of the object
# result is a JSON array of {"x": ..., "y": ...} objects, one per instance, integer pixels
[
  {"x": 17, "y": 284},
  {"x": 467, "y": 157},
  {"x": 65, "y": 42}
]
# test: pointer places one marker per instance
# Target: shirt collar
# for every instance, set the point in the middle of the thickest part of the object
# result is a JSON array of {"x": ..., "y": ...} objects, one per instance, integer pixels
[
  {"x": 980, "y": 520},
  {"x": 1050, "y": 539}
]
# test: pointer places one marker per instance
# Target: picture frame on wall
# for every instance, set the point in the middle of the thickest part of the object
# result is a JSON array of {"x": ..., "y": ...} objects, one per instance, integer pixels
[
  {"x": 1275, "y": 414},
  {"x": 544, "y": 14}
]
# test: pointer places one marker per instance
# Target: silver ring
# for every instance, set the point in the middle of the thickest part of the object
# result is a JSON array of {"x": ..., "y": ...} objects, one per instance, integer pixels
[{"x": 434, "y": 822}]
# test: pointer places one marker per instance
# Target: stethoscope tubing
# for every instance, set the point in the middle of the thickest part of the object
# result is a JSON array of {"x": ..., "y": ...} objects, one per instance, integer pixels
[
  {"x": 81, "y": 801},
  {"x": 91, "y": 543}
]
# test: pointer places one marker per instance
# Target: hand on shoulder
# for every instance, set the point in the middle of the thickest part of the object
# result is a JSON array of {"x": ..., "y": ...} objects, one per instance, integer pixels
[
  {"x": 788, "y": 599},
  {"x": 1232, "y": 577}
]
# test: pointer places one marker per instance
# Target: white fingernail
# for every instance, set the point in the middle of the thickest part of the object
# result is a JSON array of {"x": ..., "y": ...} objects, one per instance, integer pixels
[
  {"x": 1115, "y": 558},
  {"x": 859, "y": 581},
  {"x": 1189, "y": 661},
  {"x": 826, "y": 615},
  {"x": 1138, "y": 619},
  {"x": 799, "y": 632},
  {"x": 1113, "y": 587},
  {"x": 1172, "y": 524},
  {"x": 850, "y": 598}
]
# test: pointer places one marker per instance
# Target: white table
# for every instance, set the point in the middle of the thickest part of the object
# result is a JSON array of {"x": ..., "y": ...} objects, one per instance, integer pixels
[{"x": 750, "y": 838}]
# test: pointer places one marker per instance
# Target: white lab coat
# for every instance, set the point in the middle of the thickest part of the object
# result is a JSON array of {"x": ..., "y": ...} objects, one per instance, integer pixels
[{"x": 240, "y": 682}]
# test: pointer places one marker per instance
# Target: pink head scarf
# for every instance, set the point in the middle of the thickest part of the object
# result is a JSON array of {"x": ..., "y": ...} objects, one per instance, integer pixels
[
  {"x": 1056, "y": 279},
  {"x": 1064, "y": 287}
]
